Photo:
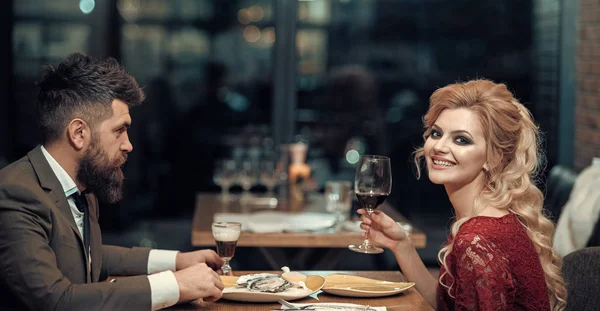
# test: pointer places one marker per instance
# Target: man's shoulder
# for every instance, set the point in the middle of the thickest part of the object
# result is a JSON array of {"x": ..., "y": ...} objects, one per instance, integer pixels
[
  {"x": 18, "y": 180},
  {"x": 18, "y": 172}
]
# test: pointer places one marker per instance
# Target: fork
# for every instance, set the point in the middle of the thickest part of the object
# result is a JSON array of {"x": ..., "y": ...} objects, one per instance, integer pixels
[
  {"x": 287, "y": 304},
  {"x": 357, "y": 308},
  {"x": 292, "y": 307}
]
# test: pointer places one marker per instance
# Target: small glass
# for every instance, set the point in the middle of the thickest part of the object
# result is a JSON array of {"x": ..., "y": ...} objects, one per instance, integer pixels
[
  {"x": 226, "y": 235},
  {"x": 269, "y": 176},
  {"x": 338, "y": 199},
  {"x": 247, "y": 176},
  {"x": 224, "y": 176}
]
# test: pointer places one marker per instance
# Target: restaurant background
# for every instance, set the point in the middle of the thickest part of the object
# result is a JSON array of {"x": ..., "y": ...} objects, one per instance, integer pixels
[{"x": 236, "y": 79}]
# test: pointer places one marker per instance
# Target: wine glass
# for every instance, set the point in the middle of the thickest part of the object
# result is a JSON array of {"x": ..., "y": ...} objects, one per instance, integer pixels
[
  {"x": 372, "y": 185},
  {"x": 269, "y": 176},
  {"x": 226, "y": 235},
  {"x": 338, "y": 199},
  {"x": 247, "y": 176},
  {"x": 224, "y": 176}
]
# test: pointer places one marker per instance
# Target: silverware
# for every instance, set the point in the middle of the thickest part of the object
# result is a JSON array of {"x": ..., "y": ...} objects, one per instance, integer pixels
[
  {"x": 291, "y": 307},
  {"x": 330, "y": 306},
  {"x": 287, "y": 304}
]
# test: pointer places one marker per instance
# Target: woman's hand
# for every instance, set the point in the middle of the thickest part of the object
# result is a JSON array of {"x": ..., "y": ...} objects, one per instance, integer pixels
[{"x": 383, "y": 230}]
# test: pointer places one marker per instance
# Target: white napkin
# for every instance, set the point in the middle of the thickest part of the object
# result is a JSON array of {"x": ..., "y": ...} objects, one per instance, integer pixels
[{"x": 330, "y": 306}]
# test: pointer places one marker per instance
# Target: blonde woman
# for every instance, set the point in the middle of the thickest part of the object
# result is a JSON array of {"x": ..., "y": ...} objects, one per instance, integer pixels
[{"x": 482, "y": 145}]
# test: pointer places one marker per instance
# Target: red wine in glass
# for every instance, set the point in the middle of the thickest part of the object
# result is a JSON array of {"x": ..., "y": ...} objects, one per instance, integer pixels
[
  {"x": 371, "y": 200},
  {"x": 372, "y": 185}
]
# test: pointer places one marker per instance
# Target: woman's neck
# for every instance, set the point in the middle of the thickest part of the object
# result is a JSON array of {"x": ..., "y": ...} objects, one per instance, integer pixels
[{"x": 463, "y": 197}]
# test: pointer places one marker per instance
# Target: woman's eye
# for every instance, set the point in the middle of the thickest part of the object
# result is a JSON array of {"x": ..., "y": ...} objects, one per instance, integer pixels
[
  {"x": 462, "y": 140},
  {"x": 435, "y": 134}
]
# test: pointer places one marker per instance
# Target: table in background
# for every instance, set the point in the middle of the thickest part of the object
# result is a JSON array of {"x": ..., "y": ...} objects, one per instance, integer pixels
[
  {"x": 209, "y": 204},
  {"x": 409, "y": 300}
]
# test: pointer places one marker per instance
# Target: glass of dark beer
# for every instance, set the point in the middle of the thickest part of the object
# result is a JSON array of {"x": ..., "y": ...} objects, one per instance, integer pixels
[{"x": 226, "y": 235}]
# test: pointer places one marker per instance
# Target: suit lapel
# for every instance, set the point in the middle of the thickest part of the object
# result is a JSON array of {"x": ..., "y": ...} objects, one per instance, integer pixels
[
  {"x": 95, "y": 237},
  {"x": 49, "y": 182},
  {"x": 51, "y": 185}
]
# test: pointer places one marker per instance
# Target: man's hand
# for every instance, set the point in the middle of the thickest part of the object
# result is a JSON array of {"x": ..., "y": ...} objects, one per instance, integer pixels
[
  {"x": 207, "y": 256},
  {"x": 198, "y": 281}
]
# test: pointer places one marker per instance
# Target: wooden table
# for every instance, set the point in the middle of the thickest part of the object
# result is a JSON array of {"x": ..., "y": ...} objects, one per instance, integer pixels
[
  {"x": 409, "y": 300},
  {"x": 208, "y": 204}
]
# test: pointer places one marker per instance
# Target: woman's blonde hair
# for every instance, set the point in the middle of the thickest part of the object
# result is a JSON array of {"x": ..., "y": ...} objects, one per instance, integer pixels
[{"x": 513, "y": 160}]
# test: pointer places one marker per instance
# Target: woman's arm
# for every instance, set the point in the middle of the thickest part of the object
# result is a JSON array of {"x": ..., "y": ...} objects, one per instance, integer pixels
[
  {"x": 415, "y": 271},
  {"x": 482, "y": 278},
  {"x": 385, "y": 232}
]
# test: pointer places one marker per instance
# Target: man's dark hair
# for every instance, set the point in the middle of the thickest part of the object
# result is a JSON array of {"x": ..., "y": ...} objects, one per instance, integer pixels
[{"x": 82, "y": 87}]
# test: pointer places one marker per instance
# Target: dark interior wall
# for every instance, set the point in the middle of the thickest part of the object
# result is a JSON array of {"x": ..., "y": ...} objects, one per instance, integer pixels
[
  {"x": 546, "y": 28},
  {"x": 5, "y": 81}
]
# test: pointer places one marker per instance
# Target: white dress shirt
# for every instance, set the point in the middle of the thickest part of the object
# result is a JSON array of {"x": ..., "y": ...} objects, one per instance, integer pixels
[{"x": 161, "y": 263}]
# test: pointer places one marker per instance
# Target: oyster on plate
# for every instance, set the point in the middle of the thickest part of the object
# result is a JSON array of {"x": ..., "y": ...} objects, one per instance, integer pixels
[{"x": 264, "y": 282}]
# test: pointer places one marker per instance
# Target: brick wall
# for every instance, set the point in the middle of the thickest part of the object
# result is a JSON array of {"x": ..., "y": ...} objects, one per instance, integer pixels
[{"x": 587, "y": 111}]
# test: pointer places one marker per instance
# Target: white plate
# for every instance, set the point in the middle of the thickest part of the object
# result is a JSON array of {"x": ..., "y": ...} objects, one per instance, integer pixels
[
  {"x": 267, "y": 222},
  {"x": 310, "y": 222},
  {"x": 356, "y": 286},
  {"x": 272, "y": 222},
  {"x": 352, "y": 226},
  {"x": 313, "y": 282}
]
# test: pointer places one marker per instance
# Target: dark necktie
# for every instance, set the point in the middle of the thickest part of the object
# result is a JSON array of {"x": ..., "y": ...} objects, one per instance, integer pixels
[{"x": 82, "y": 206}]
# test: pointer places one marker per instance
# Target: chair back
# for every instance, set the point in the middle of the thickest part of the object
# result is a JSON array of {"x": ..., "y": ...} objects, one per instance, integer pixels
[
  {"x": 558, "y": 188},
  {"x": 581, "y": 270},
  {"x": 595, "y": 237}
]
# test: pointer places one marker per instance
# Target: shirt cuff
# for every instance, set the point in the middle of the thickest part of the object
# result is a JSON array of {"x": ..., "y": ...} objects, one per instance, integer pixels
[
  {"x": 164, "y": 290},
  {"x": 161, "y": 260}
]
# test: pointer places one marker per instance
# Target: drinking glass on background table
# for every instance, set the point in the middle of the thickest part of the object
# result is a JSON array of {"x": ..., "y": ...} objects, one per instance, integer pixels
[
  {"x": 226, "y": 235},
  {"x": 372, "y": 185},
  {"x": 338, "y": 199},
  {"x": 269, "y": 176},
  {"x": 247, "y": 176},
  {"x": 224, "y": 176}
]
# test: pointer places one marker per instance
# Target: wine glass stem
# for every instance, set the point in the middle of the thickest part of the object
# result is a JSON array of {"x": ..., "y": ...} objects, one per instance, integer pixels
[
  {"x": 366, "y": 243},
  {"x": 225, "y": 193},
  {"x": 226, "y": 267}
]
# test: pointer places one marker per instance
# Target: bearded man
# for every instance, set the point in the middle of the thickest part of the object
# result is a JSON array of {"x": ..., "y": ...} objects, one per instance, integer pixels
[{"x": 51, "y": 252}]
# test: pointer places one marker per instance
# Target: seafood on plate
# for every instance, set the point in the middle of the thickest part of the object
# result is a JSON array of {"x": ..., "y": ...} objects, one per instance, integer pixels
[{"x": 272, "y": 283}]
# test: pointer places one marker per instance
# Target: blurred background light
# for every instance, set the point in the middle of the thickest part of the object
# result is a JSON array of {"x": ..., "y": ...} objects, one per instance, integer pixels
[
  {"x": 251, "y": 33},
  {"x": 86, "y": 6},
  {"x": 352, "y": 156}
]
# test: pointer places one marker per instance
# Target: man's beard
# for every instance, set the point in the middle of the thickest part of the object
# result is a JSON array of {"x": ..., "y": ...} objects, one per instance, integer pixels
[{"x": 100, "y": 175}]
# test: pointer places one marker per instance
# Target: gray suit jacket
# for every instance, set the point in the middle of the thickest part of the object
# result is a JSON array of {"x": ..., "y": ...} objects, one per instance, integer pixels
[{"x": 42, "y": 259}]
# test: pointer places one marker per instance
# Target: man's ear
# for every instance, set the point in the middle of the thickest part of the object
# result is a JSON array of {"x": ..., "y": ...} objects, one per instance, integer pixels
[{"x": 78, "y": 133}]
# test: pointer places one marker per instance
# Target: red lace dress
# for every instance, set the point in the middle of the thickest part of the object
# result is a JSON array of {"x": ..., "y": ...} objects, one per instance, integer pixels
[{"x": 495, "y": 267}]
